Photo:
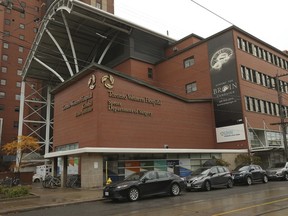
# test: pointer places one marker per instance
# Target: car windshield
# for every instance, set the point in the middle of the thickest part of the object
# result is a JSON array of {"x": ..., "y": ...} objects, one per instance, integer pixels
[
  {"x": 202, "y": 171},
  {"x": 278, "y": 165},
  {"x": 135, "y": 176},
  {"x": 243, "y": 168}
]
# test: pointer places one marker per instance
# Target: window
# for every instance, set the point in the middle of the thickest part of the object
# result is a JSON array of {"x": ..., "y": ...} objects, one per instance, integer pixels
[
  {"x": 23, "y": 4},
  {"x": 17, "y": 97},
  {"x": 5, "y": 45},
  {"x": 21, "y": 49},
  {"x": 98, "y": 5},
  {"x": 22, "y": 15},
  {"x": 17, "y": 109},
  {"x": 4, "y": 69},
  {"x": 21, "y": 37},
  {"x": 2, "y": 94},
  {"x": 15, "y": 124},
  {"x": 19, "y": 72},
  {"x": 21, "y": 26},
  {"x": 188, "y": 62},
  {"x": 4, "y": 57},
  {"x": 7, "y": 22},
  {"x": 191, "y": 87},
  {"x": 6, "y": 33},
  {"x": 3, "y": 82},
  {"x": 150, "y": 73},
  {"x": 20, "y": 60},
  {"x": 2, "y": 107},
  {"x": 18, "y": 84},
  {"x": 36, "y": 9},
  {"x": 35, "y": 30}
]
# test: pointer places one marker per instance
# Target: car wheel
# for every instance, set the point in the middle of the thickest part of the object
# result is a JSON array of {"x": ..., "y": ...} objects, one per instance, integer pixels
[
  {"x": 175, "y": 189},
  {"x": 286, "y": 176},
  {"x": 207, "y": 186},
  {"x": 249, "y": 180},
  {"x": 265, "y": 179},
  {"x": 133, "y": 194},
  {"x": 229, "y": 183}
]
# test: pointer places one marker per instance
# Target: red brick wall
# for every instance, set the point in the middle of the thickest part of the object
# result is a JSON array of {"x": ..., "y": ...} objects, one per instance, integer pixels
[{"x": 174, "y": 122}]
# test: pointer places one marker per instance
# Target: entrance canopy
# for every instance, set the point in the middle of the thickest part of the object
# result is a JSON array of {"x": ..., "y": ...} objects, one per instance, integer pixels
[{"x": 71, "y": 36}]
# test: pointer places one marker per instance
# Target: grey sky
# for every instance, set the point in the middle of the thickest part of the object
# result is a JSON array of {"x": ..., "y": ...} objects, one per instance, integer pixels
[{"x": 266, "y": 20}]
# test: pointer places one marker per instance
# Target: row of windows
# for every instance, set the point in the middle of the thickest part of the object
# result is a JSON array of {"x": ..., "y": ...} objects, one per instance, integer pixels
[
  {"x": 5, "y": 70},
  {"x": 2, "y": 108},
  {"x": 6, "y": 46},
  {"x": 262, "y": 79},
  {"x": 265, "y": 107},
  {"x": 3, "y": 95},
  {"x": 261, "y": 53},
  {"x": 5, "y": 58},
  {"x": 3, "y": 82}
]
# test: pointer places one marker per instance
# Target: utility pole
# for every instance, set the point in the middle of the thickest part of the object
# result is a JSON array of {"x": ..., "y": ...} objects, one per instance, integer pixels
[
  {"x": 282, "y": 116},
  {"x": 9, "y": 4}
]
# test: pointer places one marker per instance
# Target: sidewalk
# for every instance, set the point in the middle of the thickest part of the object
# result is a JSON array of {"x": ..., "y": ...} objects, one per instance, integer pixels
[{"x": 44, "y": 197}]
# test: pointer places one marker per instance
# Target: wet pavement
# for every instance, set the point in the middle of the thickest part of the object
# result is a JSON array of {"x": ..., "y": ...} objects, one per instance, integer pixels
[{"x": 44, "y": 197}]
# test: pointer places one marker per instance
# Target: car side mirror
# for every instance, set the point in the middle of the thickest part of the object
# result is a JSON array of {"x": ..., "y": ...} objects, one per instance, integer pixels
[
  {"x": 251, "y": 170},
  {"x": 212, "y": 173},
  {"x": 144, "y": 179}
]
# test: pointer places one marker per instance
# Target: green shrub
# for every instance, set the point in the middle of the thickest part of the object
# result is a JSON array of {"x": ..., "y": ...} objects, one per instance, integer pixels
[
  {"x": 11, "y": 192},
  {"x": 246, "y": 159}
]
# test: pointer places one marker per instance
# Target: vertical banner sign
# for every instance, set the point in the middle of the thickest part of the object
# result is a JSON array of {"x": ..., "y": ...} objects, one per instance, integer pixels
[{"x": 225, "y": 89}]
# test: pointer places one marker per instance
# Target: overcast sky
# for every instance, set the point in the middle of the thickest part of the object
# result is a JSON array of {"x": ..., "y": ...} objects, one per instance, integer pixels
[{"x": 264, "y": 19}]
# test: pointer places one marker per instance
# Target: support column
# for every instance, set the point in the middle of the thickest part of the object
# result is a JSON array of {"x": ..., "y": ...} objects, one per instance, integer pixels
[
  {"x": 91, "y": 170},
  {"x": 20, "y": 123},
  {"x": 64, "y": 171}
]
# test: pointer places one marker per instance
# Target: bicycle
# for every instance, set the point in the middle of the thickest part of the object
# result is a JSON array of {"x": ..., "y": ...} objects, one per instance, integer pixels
[
  {"x": 51, "y": 182},
  {"x": 73, "y": 181},
  {"x": 10, "y": 182}
]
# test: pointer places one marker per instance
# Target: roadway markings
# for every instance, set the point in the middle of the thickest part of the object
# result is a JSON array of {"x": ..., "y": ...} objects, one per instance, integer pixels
[{"x": 250, "y": 207}]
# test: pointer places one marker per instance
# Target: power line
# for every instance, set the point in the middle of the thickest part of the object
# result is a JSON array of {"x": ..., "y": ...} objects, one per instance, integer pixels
[{"x": 212, "y": 12}]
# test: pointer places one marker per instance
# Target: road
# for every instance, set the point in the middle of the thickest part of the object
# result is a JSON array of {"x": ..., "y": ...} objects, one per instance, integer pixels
[{"x": 269, "y": 199}]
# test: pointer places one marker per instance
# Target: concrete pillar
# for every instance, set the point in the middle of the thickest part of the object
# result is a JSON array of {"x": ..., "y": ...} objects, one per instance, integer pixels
[
  {"x": 54, "y": 166},
  {"x": 91, "y": 170},
  {"x": 64, "y": 171}
]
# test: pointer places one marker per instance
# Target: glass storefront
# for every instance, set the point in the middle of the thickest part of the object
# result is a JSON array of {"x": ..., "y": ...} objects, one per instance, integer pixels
[{"x": 117, "y": 167}]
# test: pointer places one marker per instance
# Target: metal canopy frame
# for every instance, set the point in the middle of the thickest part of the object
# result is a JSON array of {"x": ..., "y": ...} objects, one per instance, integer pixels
[{"x": 71, "y": 36}]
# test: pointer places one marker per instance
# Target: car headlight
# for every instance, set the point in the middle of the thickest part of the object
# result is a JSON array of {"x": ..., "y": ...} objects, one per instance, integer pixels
[{"x": 122, "y": 186}]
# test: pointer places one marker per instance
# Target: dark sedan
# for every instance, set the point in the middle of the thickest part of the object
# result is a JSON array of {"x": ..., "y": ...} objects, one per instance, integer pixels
[
  {"x": 248, "y": 174},
  {"x": 143, "y": 184},
  {"x": 206, "y": 178}
]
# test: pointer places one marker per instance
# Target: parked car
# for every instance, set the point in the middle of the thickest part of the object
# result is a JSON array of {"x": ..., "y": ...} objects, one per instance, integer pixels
[
  {"x": 206, "y": 178},
  {"x": 248, "y": 174},
  {"x": 278, "y": 171},
  {"x": 143, "y": 184}
]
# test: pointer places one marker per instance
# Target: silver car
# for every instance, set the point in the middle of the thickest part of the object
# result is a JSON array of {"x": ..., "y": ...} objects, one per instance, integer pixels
[
  {"x": 206, "y": 178},
  {"x": 278, "y": 171}
]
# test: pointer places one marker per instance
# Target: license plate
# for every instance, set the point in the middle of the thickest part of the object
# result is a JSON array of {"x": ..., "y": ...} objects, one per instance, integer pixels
[{"x": 106, "y": 193}]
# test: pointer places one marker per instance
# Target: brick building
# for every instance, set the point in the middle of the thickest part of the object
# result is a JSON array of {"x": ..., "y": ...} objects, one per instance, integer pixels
[{"x": 127, "y": 99}]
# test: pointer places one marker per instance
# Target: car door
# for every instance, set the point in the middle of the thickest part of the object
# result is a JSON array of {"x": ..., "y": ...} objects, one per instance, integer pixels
[
  {"x": 164, "y": 181},
  {"x": 214, "y": 176},
  {"x": 149, "y": 183},
  {"x": 223, "y": 175},
  {"x": 256, "y": 173}
]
